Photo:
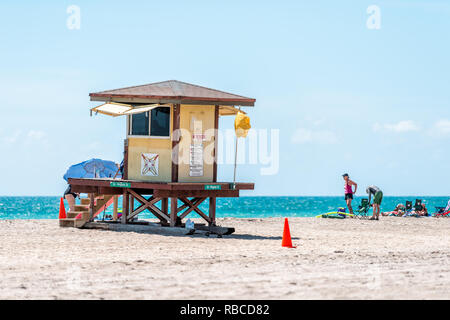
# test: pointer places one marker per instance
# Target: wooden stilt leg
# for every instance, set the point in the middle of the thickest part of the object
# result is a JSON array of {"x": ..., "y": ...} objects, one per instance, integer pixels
[
  {"x": 131, "y": 204},
  {"x": 212, "y": 211},
  {"x": 125, "y": 206},
  {"x": 91, "y": 206},
  {"x": 165, "y": 205},
  {"x": 173, "y": 211},
  {"x": 115, "y": 207}
]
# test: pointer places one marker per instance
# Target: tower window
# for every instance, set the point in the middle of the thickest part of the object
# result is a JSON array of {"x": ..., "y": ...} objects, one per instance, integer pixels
[
  {"x": 160, "y": 122},
  {"x": 154, "y": 123}
]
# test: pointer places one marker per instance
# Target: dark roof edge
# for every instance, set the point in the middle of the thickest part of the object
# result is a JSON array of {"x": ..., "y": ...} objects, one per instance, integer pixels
[
  {"x": 169, "y": 81},
  {"x": 180, "y": 99}
]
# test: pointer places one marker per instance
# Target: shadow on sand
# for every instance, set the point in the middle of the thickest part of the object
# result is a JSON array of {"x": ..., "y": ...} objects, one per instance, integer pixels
[{"x": 176, "y": 232}]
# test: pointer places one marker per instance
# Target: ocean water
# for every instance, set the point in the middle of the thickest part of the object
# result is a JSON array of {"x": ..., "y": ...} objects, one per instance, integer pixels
[{"x": 243, "y": 207}]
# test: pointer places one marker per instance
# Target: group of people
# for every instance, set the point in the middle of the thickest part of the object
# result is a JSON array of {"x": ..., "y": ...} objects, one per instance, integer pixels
[
  {"x": 400, "y": 210},
  {"x": 372, "y": 191}
]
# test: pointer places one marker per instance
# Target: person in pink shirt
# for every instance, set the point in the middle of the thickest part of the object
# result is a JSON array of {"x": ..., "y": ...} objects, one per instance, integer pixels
[{"x": 349, "y": 191}]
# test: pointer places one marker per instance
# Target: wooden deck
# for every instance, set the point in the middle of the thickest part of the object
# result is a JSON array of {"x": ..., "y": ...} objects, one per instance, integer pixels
[
  {"x": 116, "y": 186},
  {"x": 140, "y": 191}
]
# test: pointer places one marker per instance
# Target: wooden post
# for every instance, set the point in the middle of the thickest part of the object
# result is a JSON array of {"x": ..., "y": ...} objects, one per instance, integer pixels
[
  {"x": 125, "y": 160},
  {"x": 165, "y": 205},
  {"x": 175, "y": 141},
  {"x": 173, "y": 211},
  {"x": 125, "y": 206},
  {"x": 91, "y": 206},
  {"x": 216, "y": 141},
  {"x": 115, "y": 207},
  {"x": 212, "y": 211}
]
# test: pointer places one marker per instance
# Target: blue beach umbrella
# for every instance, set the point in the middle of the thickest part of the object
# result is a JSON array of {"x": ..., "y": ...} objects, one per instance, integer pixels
[{"x": 94, "y": 168}]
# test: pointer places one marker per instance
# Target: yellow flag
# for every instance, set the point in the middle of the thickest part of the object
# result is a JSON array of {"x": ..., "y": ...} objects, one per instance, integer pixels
[{"x": 242, "y": 125}]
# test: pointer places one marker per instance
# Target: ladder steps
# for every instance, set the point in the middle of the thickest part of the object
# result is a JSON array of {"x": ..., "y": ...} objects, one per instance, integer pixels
[
  {"x": 71, "y": 222},
  {"x": 83, "y": 210},
  {"x": 85, "y": 201},
  {"x": 74, "y": 214}
]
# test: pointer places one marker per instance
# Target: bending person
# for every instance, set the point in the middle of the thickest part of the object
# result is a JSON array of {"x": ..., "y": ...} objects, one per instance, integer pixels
[
  {"x": 377, "y": 198},
  {"x": 70, "y": 197}
]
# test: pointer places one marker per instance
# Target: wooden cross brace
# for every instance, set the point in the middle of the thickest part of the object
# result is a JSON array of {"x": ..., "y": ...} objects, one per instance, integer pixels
[
  {"x": 192, "y": 205},
  {"x": 147, "y": 204}
]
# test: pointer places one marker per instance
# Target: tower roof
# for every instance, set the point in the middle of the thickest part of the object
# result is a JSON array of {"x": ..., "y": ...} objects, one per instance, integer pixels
[{"x": 172, "y": 91}]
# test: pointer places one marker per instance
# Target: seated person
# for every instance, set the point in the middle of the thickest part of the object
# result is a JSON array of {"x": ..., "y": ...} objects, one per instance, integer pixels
[
  {"x": 70, "y": 197},
  {"x": 423, "y": 212},
  {"x": 398, "y": 211}
]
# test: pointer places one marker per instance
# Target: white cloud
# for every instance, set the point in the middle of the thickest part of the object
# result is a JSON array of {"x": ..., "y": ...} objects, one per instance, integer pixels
[
  {"x": 303, "y": 135},
  {"x": 93, "y": 145},
  {"x": 36, "y": 135},
  {"x": 441, "y": 128},
  {"x": 13, "y": 138},
  {"x": 18, "y": 137},
  {"x": 318, "y": 122},
  {"x": 399, "y": 127}
]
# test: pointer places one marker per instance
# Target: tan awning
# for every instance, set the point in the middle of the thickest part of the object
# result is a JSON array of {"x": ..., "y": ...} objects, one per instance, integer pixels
[
  {"x": 119, "y": 109},
  {"x": 228, "y": 111},
  {"x": 115, "y": 109}
]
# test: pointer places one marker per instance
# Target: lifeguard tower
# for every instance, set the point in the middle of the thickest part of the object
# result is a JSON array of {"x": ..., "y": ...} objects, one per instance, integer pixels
[{"x": 170, "y": 152}]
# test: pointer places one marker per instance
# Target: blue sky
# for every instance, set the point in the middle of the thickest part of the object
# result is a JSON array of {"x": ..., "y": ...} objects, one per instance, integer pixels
[{"x": 374, "y": 103}]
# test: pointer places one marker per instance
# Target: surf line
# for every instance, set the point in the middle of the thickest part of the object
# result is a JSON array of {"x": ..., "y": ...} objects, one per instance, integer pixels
[{"x": 188, "y": 310}]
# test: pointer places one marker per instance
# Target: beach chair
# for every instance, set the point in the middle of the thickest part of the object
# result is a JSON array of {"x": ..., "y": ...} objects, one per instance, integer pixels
[
  {"x": 440, "y": 210},
  {"x": 408, "y": 208},
  {"x": 363, "y": 209},
  {"x": 418, "y": 205},
  {"x": 443, "y": 211},
  {"x": 411, "y": 211}
]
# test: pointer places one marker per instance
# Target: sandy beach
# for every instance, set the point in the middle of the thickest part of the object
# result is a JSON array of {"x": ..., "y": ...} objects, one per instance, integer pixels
[{"x": 395, "y": 258}]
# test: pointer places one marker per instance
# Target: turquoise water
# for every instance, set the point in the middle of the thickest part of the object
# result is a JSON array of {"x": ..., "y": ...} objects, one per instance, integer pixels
[{"x": 244, "y": 207}]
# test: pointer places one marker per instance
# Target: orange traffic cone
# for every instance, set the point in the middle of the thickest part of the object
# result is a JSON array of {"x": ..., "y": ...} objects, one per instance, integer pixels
[
  {"x": 62, "y": 210},
  {"x": 287, "y": 241}
]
